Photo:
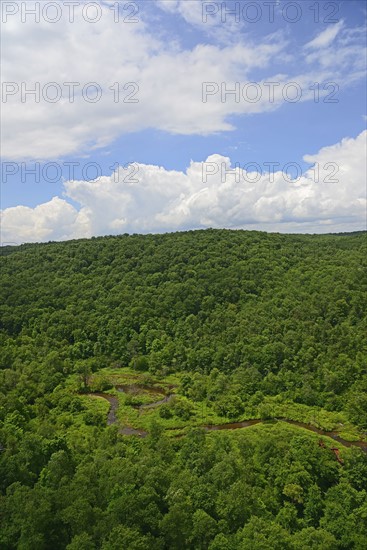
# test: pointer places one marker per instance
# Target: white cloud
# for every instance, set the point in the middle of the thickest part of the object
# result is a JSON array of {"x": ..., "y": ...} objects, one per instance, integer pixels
[
  {"x": 164, "y": 200},
  {"x": 341, "y": 48},
  {"x": 106, "y": 53},
  {"x": 207, "y": 17},
  {"x": 51, "y": 220},
  {"x": 193, "y": 12},
  {"x": 169, "y": 77},
  {"x": 326, "y": 37}
]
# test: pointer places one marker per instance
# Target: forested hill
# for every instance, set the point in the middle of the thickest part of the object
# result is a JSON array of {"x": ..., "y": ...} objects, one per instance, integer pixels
[
  {"x": 289, "y": 310},
  {"x": 187, "y": 332}
]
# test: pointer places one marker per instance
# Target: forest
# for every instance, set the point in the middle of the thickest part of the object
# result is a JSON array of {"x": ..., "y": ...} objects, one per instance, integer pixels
[{"x": 194, "y": 390}]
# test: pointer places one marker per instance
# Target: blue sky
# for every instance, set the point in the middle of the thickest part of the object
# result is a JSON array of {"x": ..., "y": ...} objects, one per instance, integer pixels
[{"x": 169, "y": 52}]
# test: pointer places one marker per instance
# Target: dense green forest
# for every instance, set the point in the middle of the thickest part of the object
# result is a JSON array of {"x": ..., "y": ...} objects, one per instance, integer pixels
[{"x": 165, "y": 335}]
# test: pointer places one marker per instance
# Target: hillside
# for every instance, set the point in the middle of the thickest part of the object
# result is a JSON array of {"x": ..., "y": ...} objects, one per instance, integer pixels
[{"x": 184, "y": 331}]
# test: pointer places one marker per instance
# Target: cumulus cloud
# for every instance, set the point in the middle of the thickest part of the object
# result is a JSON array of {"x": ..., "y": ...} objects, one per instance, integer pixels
[
  {"x": 329, "y": 196},
  {"x": 168, "y": 79}
]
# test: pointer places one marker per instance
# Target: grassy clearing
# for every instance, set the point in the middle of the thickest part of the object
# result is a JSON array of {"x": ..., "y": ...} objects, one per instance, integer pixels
[
  {"x": 127, "y": 376},
  {"x": 144, "y": 389},
  {"x": 143, "y": 418},
  {"x": 282, "y": 430},
  {"x": 317, "y": 417}
]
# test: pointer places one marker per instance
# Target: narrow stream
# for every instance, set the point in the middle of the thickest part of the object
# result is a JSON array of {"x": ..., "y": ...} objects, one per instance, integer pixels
[
  {"x": 114, "y": 403},
  {"x": 112, "y": 419}
]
